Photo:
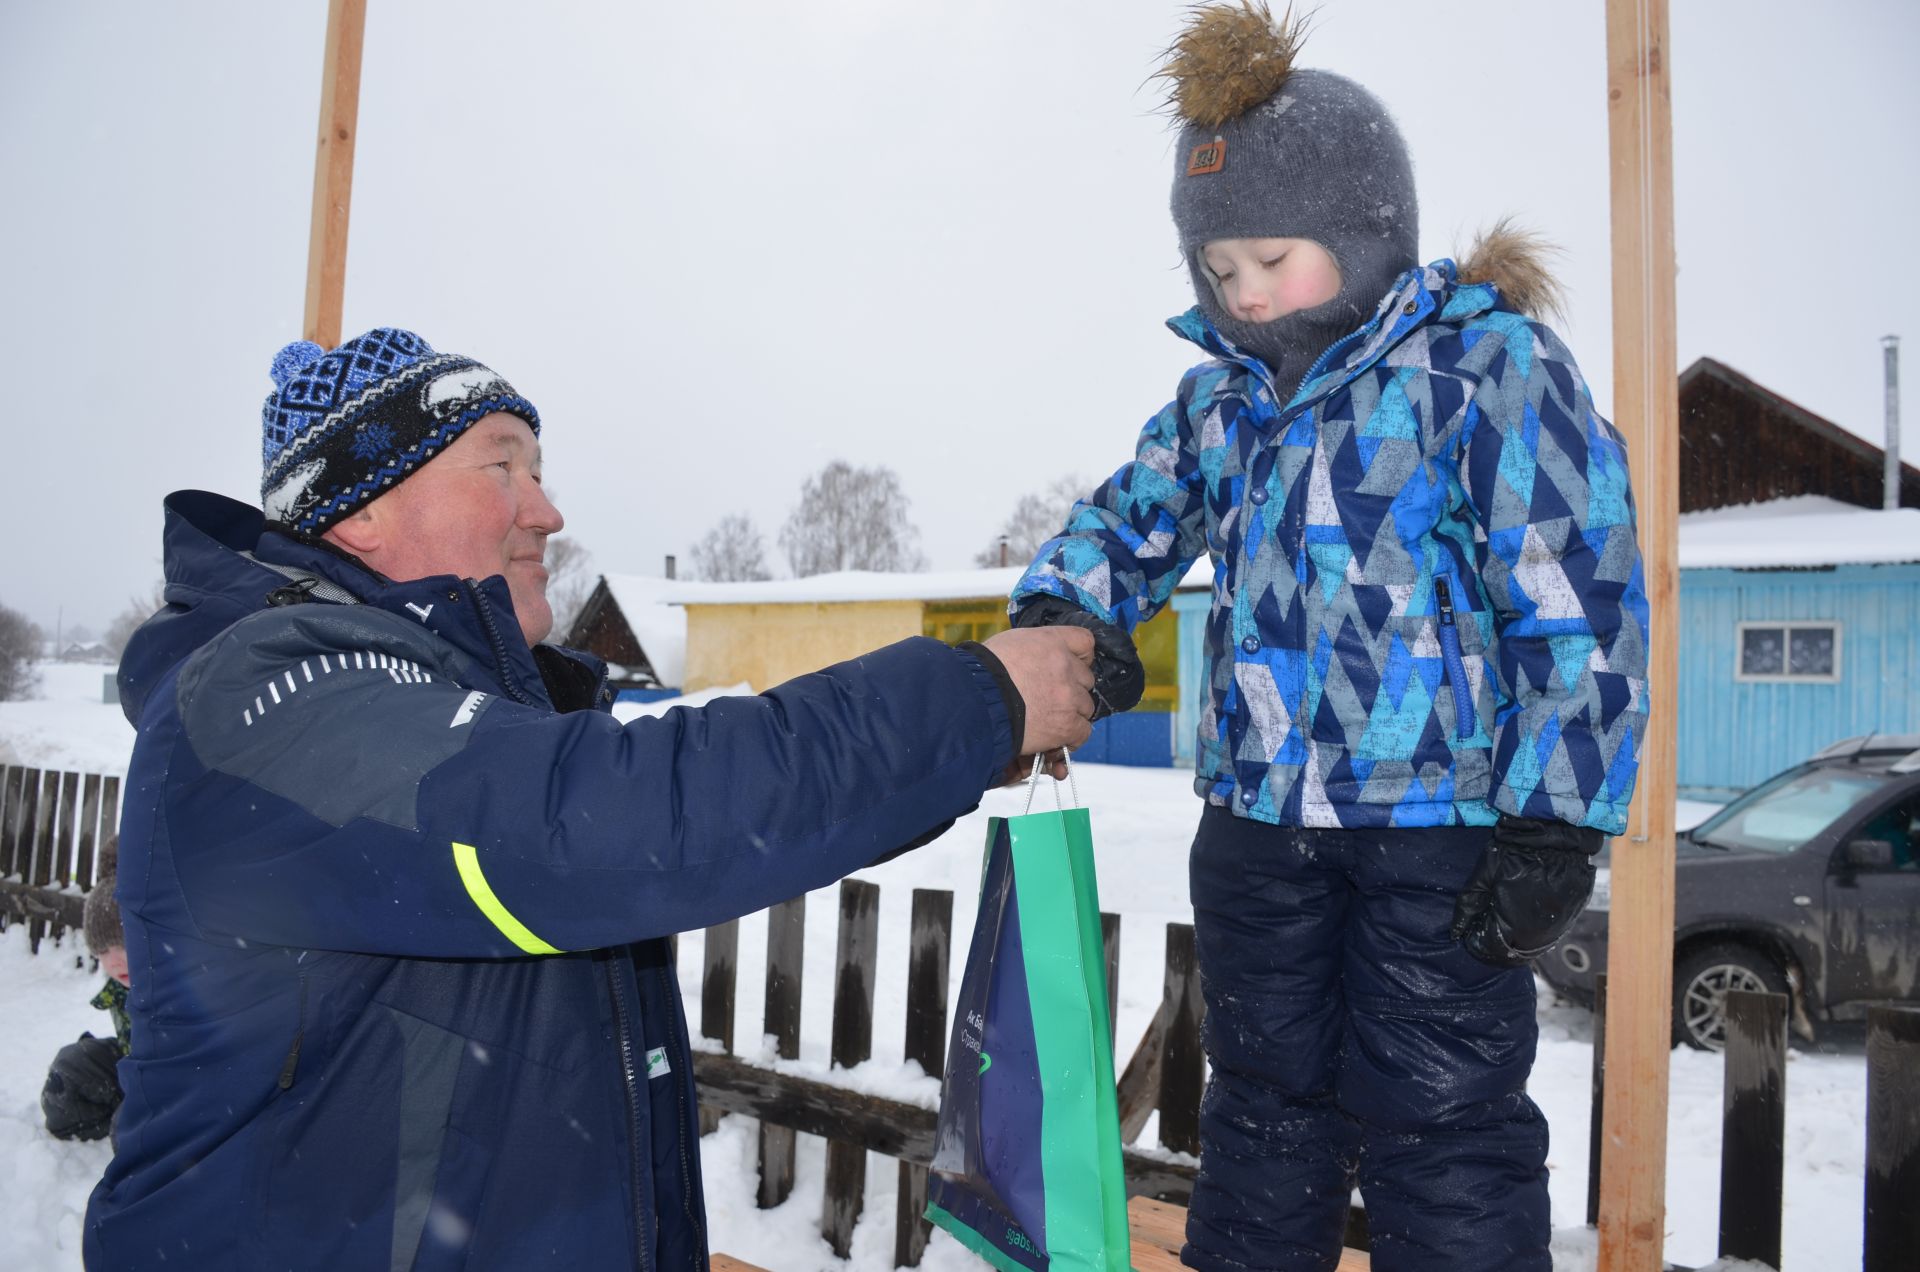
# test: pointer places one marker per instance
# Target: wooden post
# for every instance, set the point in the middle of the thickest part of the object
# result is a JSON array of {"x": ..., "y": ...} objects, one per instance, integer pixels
[
  {"x": 1182, "y": 1072},
  {"x": 333, "y": 171},
  {"x": 786, "y": 949},
  {"x": 929, "y": 954},
  {"x": 1646, "y": 409},
  {"x": 1596, "y": 1122},
  {"x": 1892, "y": 1231},
  {"x": 1753, "y": 1136},
  {"x": 859, "y": 947}
]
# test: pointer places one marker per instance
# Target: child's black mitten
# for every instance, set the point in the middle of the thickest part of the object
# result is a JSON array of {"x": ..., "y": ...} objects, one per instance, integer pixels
[
  {"x": 1531, "y": 882},
  {"x": 1118, "y": 677},
  {"x": 82, "y": 1089}
]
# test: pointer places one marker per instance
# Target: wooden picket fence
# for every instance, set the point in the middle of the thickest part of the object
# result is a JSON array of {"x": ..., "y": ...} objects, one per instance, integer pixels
[
  {"x": 52, "y": 825},
  {"x": 1166, "y": 1071}
]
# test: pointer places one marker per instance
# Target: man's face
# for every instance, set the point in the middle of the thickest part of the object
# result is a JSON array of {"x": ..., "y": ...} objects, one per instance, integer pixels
[
  {"x": 474, "y": 510},
  {"x": 114, "y": 963},
  {"x": 1260, "y": 279}
]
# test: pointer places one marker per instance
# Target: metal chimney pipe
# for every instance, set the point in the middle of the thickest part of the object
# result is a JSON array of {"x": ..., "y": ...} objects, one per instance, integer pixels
[
  {"x": 670, "y": 565},
  {"x": 1892, "y": 345}
]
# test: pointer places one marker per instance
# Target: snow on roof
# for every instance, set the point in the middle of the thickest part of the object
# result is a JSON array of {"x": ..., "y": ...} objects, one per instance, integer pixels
[
  {"x": 658, "y": 624},
  {"x": 1805, "y": 531},
  {"x": 864, "y": 585}
]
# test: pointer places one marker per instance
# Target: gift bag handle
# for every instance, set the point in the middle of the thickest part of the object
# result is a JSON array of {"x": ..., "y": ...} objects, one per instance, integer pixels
[{"x": 1033, "y": 781}]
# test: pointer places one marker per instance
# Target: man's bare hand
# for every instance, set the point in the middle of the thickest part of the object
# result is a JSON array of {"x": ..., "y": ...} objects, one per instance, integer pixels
[{"x": 1052, "y": 669}]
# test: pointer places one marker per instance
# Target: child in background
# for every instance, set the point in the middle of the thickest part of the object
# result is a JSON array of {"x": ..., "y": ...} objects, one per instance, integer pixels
[
  {"x": 1425, "y": 659},
  {"x": 82, "y": 1091}
]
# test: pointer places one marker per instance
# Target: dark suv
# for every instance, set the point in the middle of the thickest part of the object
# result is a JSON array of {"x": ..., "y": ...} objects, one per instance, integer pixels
[{"x": 1808, "y": 885}]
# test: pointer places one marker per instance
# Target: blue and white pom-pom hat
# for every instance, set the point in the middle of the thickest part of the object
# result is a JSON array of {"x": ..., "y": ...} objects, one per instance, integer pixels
[{"x": 344, "y": 426}]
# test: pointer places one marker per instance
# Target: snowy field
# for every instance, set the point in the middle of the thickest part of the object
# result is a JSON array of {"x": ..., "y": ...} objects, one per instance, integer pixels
[{"x": 1143, "y": 822}]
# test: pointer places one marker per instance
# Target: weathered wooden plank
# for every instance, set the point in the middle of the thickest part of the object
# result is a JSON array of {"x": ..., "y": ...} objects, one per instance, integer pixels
[
  {"x": 1892, "y": 1232},
  {"x": 929, "y": 955},
  {"x": 1160, "y": 1229},
  {"x": 1753, "y": 1136},
  {"x": 718, "y": 976},
  {"x": 12, "y": 797},
  {"x": 727, "y": 1263},
  {"x": 65, "y": 817},
  {"x": 857, "y": 954},
  {"x": 110, "y": 815},
  {"x": 786, "y": 949},
  {"x": 84, "y": 864},
  {"x": 905, "y": 1131},
  {"x": 1140, "y": 1080},
  {"x": 40, "y": 838},
  {"x": 1182, "y": 1064},
  {"x": 25, "y": 902},
  {"x": 1646, "y": 405}
]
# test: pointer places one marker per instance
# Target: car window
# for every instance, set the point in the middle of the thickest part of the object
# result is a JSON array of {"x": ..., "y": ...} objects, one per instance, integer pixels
[
  {"x": 1899, "y": 828},
  {"x": 1780, "y": 815}
]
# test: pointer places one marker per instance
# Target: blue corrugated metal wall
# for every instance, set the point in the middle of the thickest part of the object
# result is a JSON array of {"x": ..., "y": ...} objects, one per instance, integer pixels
[{"x": 1735, "y": 733}]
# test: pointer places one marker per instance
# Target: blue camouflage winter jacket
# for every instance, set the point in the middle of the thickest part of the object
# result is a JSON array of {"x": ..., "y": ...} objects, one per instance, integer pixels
[
  {"x": 400, "y": 998},
  {"x": 1427, "y": 597}
]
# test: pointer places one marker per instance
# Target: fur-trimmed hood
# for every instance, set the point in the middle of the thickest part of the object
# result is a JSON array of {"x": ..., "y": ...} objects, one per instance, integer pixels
[{"x": 1515, "y": 261}]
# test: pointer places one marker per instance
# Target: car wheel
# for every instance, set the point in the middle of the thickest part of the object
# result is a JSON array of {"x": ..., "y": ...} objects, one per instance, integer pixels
[{"x": 1701, "y": 981}]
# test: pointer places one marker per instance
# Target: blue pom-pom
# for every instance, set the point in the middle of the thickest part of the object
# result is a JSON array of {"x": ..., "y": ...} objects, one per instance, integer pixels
[{"x": 294, "y": 359}]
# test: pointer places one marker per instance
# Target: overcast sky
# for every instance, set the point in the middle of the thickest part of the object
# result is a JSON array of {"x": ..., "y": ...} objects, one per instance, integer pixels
[{"x": 927, "y": 235}]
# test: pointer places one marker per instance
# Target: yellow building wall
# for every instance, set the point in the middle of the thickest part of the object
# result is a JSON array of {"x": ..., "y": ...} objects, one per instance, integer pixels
[
  {"x": 1157, "y": 641},
  {"x": 766, "y": 645}
]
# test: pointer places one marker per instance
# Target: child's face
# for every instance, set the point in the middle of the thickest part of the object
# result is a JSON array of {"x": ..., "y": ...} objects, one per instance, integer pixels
[
  {"x": 1260, "y": 279},
  {"x": 114, "y": 963}
]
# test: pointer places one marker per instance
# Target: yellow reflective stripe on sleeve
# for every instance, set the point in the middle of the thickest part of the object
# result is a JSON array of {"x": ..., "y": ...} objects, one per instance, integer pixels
[{"x": 468, "y": 862}]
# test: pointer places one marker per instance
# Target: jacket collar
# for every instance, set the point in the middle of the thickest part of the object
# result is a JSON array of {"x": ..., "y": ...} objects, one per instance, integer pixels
[
  {"x": 223, "y": 563},
  {"x": 1416, "y": 295}
]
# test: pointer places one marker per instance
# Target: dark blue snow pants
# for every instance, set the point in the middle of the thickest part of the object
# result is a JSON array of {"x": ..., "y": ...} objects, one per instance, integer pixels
[{"x": 1351, "y": 1036}]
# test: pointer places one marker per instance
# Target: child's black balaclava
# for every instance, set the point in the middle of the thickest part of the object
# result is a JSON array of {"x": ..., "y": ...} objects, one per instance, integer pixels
[{"x": 1268, "y": 151}]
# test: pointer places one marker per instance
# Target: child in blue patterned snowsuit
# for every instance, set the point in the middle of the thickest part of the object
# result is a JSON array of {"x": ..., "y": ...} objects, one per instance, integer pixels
[{"x": 1426, "y": 663}]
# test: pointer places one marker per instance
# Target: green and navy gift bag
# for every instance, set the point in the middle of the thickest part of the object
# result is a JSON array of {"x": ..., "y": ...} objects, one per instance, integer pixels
[{"x": 1026, "y": 1166}]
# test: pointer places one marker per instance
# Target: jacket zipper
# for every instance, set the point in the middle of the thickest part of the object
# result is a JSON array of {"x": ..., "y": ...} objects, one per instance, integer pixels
[
  {"x": 624, "y": 1030},
  {"x": 508, "y": 683},
  {"x": 1466, "y": 720},
  {"x": 685, "y": 1049}
]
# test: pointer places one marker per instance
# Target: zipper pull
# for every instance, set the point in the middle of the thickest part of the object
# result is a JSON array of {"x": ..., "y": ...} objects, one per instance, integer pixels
[{"x": 1444, "y": 595}]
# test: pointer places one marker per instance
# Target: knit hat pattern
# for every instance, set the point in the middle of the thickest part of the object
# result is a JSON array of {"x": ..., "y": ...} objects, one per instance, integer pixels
[
  {"x": 1269, "y": 150},
  {"x": 344, "y": 426}
]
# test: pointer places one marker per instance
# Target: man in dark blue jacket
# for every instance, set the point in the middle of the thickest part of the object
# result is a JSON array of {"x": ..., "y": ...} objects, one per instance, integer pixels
[{"x": 395, "y": 885}]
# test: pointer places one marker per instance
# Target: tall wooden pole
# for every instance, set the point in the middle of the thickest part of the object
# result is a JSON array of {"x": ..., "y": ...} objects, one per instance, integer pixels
[
  {"x": 333, "y": 171},
  {"x": 1633, "y": 1169}
]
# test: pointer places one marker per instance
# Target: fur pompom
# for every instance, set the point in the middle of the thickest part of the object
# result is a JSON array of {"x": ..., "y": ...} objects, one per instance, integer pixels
[
  {"x": 1229, "y": 59},
  {"x": 1515, "y": 261}
]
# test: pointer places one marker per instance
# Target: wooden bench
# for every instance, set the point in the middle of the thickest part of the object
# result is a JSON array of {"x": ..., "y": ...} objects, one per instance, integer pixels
[{"x": 1158, "y": 1229}]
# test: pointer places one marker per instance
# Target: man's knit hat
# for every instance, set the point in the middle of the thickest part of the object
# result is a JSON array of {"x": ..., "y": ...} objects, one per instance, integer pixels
[
  {"x": 343, "y": 427},
  {"x": 1268, "y": 151}
]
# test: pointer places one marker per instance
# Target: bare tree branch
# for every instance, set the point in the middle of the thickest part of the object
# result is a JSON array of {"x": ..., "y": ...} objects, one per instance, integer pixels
[
  {"x": 851, "y": 519},
  {"x": 734, "y": 551}
]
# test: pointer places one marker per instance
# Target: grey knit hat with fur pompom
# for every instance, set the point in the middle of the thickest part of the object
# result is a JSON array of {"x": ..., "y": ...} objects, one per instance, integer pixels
[{"x": 1270, "y": 151}]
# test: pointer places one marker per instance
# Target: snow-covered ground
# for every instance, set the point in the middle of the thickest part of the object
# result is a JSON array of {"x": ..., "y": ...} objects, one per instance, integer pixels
[{"x": 1143, "y": 822}]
